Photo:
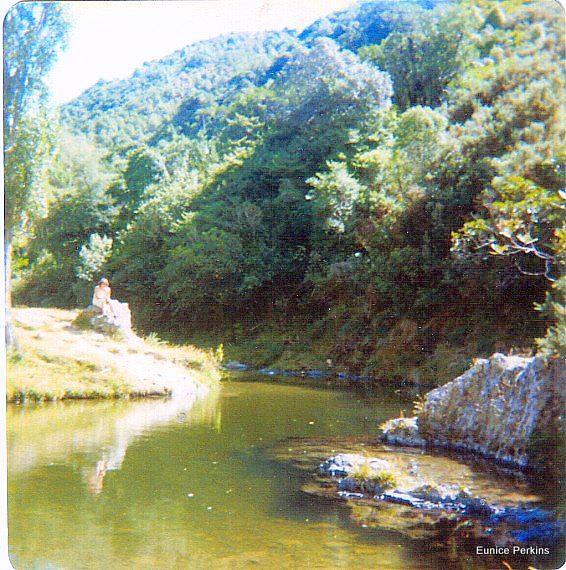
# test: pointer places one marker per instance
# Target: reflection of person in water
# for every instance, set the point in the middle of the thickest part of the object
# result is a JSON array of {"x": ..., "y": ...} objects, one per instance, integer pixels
[
  {"x": 95, "y": 479},
  {"x": 114, "y": 433}
]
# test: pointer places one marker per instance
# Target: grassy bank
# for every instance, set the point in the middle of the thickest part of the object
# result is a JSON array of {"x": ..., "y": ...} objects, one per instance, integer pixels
[
  {"x": 269, "y": 344},
  {"x": 429, "y": 352},
  {"x": 57, "y": 361},
  {"x": 390, "y": 358}
]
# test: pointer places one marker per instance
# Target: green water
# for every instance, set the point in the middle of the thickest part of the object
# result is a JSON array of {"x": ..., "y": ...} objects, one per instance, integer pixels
[{"x": 177, "y": 484}]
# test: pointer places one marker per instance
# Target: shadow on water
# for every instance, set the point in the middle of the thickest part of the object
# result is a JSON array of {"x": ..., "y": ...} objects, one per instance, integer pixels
[{"x": 367, "y": 391}]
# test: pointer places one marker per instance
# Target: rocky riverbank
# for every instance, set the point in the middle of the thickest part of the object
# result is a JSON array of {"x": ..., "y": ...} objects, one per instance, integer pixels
[
  {"x": 60, "y": 357},
  {"x": 439, "y": 497},
  {"x": 433, "y": 475},
  {"x": 506, "y": 408}
]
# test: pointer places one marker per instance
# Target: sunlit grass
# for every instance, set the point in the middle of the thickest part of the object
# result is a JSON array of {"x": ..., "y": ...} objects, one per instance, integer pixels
[
  {"x": 58, "y": 361},
  {"x": 366, "y": 475}
]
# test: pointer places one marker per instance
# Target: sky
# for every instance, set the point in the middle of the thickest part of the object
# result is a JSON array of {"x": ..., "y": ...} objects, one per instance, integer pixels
[{"x": 110, "y": 39}]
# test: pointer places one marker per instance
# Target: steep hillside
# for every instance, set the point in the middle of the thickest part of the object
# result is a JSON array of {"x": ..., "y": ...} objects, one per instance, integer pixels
[
  {"x": 398, "y": 204},
  {"x": 171, "y": 91},
  {"x": 184, "y": 90}
]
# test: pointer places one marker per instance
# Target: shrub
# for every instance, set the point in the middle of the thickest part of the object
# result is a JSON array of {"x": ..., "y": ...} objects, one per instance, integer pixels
[
  {"x": 82, "y": 320},
  {"x": 368, "y": 478}
]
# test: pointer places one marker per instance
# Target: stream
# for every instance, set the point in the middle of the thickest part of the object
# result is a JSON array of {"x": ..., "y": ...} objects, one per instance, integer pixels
[{"x": 179, "y": 483}]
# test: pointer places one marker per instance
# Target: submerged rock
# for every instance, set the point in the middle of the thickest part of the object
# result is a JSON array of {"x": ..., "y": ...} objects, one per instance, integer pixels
[
  {"x": 426, "y": 496},
  {"x": 392, "y": 482},
  {"x": 236, "y": 366},
  {"x": 347, "y": 463}
]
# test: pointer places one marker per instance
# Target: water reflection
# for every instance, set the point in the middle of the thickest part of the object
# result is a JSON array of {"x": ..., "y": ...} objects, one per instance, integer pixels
[
  {"x": 97, "y": 434},
  {"x": 158, "y": 484}
]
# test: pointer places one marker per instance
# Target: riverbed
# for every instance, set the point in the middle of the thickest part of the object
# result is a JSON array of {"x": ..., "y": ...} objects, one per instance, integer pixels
[{"x": 176, "y": 483}]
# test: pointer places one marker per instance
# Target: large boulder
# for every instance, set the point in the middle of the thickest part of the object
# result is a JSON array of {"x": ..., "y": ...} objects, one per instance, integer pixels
[
  {"x": 504, "y": 407},
  {"x": 118, "y": 321}
]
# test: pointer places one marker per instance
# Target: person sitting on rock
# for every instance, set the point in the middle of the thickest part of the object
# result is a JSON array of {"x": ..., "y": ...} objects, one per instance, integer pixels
[{"x": 101, "y": 298}]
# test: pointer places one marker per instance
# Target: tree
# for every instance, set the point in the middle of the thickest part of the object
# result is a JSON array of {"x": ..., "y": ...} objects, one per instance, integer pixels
[
  {"x": 505, "y": 119},
  {"x": 521, "y": 221},
  {"x": 423, "y": 60},
  {"x": 33, "y": 35},
  {"x": 144, "y": 167},
  {"x": 93, "y": 255},
  {"x": 78, "y": 206},
  {"x": 337, "y": 192},
  {"x": 326, "y": 80}
]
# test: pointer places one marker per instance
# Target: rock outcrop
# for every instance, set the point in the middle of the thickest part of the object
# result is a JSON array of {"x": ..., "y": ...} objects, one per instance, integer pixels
[
  {"x": 504, "y": 407},
  {"x": 118, "y": 321}
]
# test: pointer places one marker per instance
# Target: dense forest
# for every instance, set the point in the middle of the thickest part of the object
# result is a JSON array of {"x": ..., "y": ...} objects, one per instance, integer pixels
[{"x": 384, "y": 184}]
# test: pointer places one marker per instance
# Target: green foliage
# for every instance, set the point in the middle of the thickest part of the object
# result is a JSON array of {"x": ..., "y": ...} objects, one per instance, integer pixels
[
  {"x": 426, "y": 54},
  {"x": 181, "y": 90},
  {"x": 554, "y": 343},
  {"x": 384, "y": 480},
  {"x": 82, "y": 320},
  {"x": 93, "y": 256},
  {"x": 62, "y": 252},
  {"x": 143, "y": 168},
  {"x": 33, "y": 36},
  {"x": 515, "y": 208},
  {"x": 368, "y": 478},
  {"x": 368, "y": 23},
  {"x": 153, "y": 339},
  {"x": 269, "y": 174},
  {"x": 25, "y": 164},
  {"x": 495, "y": 18},
  {"x": 244, "y": 226},
  {"x": 338, "y": 192}
]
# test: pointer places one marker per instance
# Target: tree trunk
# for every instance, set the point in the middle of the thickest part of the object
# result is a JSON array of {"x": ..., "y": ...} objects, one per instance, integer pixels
[{"x": 11, "y": 341}]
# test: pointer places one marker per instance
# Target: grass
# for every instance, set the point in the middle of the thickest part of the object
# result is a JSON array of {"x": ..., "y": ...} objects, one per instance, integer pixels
[
  {"x": 38, "y": 373},
  {"x": 82, "y": 321},
  {"x": 366, "y": 476},
  {"x": 57, "y": 360},
  {"x": 288, "y": 346},
  {"x": 152, "y": 339}
]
